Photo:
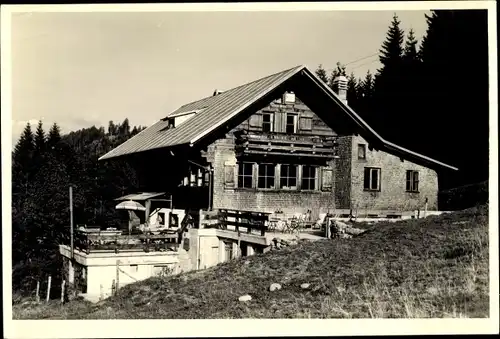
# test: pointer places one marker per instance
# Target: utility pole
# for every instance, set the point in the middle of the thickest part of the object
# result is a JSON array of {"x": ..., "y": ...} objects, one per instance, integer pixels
[{"x": 71, "y": 220}]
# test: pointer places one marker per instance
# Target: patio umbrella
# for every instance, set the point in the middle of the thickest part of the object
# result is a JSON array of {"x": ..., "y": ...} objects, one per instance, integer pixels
[{"x": 130, "y": 205}]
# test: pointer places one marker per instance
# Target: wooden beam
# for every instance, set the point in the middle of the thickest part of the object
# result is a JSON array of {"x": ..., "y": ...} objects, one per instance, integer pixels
[{"x": 290, "y": 154}]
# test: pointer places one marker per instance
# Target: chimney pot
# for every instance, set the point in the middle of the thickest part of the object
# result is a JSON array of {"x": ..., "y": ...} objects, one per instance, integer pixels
[{"x": 340, "y": 87}]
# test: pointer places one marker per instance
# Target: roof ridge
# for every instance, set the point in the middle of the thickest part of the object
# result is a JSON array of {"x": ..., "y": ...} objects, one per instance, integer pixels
[{"x": 234, "y": 88}]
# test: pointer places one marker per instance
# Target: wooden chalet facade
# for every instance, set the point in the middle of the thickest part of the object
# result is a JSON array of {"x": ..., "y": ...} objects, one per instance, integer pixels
[{"x": 284, "y": 143}]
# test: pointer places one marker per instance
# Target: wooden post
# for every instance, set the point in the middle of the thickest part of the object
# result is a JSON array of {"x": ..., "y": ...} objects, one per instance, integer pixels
[
  {"x": 48, "y": 288},
  {"x": 62, "y": 290},
  {"x": 101, "y": 294},
  {"x": 71, "y": 220},
  {"x": 37, "y": 291},
  {"x": 117, "y": 276},
  {"x": 425, "y": 207}
]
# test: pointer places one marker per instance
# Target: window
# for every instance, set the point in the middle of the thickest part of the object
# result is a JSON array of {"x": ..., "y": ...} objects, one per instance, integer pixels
[
  {"x": 245, "y": 175},
  {"x": 372, "y": 179},
  {"x": 291, "y": 123},
  {"x": 267, "y": 122},
  {"x": 288, "y": 179},
  {"x": 362, "y": 151},
  {"x": 412, "y": 181},
  {"x": 266, "y": 176},
  {"x": 308, "y": 177}
]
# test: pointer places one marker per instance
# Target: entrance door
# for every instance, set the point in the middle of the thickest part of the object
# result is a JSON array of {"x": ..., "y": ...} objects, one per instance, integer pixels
[{"x": 228, "y": 250}]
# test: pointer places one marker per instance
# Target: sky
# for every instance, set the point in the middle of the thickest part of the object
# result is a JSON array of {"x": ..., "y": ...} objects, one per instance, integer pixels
[{"x": 86, "y": 68}]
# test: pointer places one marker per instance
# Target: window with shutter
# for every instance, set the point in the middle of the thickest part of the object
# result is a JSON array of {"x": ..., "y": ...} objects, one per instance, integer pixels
[{"x": 327, "y": 178}]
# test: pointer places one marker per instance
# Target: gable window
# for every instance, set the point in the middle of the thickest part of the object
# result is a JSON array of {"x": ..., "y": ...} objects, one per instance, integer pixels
[
  {"x": 267, "y": 122},
  {"x": 266, "y": 176},
  {"x": 288, "y": 176},
  {"x": 291, "y": 123},
  {"x": 308, "y": 177},
  {"x": 362, "y": 151},
  {"x": 372, "y": 179},
  {"x": 245, "y": 175},
  {"x": 412, "y": 181}
]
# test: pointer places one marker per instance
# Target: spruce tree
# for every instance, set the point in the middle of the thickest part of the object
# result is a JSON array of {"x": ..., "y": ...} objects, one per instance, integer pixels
[
  {"x": 387, "y": 98},
  {"x": 54, "y": 136},
  {"x": 391, "y": 52},
  {"x": 321, "y": 73},
  {"x": 40, "y": 138},
  {"x": 455, "y": 103},
  {"x": 352, "y": 92}
]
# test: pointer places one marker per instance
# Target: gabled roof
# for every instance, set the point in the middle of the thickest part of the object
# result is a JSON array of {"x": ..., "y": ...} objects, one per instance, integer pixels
[{"x": 215, "y": 111}]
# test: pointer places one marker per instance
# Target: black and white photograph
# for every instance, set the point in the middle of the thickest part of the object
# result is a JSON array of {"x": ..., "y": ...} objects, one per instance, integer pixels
[{"x": 270, "y": 161}]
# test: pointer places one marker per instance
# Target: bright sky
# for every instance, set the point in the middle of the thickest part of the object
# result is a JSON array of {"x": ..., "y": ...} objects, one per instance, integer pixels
[{"x": 81, "y": 69}]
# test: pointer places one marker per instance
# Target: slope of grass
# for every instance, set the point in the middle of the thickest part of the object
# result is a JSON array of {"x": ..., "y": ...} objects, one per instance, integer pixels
[{"x": 433, "y": 267}]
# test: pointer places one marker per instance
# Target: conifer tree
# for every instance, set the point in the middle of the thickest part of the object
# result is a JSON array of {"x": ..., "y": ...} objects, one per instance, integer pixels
[
  {"x": 54, "y": 136},
  {"x": 321, "y": 73}
]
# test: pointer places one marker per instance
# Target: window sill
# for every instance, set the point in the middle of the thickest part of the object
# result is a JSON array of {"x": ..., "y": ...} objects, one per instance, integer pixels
[
  {"x": 371, "y": 191},
  {"x": 412, "y": 192}
]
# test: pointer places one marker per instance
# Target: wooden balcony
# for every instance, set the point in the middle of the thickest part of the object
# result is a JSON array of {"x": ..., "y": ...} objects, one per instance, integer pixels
[{"x": 286, "y": 144}]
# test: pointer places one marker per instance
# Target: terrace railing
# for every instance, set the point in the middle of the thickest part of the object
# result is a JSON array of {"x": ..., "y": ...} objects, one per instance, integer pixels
[
  {"x": 147, "y": 242},
  {"x": 243, "y": 219}
]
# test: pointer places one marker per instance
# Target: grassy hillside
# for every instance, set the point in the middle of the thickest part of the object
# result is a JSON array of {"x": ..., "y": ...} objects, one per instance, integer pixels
[{"x": 433, "y": 267}]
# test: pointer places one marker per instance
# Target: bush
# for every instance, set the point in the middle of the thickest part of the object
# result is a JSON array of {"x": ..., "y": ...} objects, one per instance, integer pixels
[{"x": 463, "y": 197}]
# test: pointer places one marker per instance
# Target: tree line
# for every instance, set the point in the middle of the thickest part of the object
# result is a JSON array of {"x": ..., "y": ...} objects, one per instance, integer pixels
[
  {"x": 44, "y": 165},
  {"x": 431, "y": 96}
]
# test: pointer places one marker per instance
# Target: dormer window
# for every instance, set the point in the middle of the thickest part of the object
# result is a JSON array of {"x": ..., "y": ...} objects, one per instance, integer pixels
[
  {"x": 174, "y": 120},
  {"x": 170, "y": 123}
]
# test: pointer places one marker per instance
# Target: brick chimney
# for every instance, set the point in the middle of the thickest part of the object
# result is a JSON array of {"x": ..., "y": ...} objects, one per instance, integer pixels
[{"x": 340, "y": 87}]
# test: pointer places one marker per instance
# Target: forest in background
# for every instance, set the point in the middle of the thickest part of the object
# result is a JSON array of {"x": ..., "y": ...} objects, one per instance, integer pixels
[{"x": 429, "y": 96}]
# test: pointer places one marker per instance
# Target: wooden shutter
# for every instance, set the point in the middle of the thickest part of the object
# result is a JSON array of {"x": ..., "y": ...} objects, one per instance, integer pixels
[
  {"x": 326, "y": 179},
  {"x": 279, "y": 122},
  {"x": 255, "y": 121},
  {"x": 305, "y": 124},
  {"x": 229, "y": 176}
]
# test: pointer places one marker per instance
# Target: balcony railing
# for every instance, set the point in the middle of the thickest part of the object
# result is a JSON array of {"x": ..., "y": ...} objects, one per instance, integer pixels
[
  {"x": 286, "y": 144},
  {"x": 105, "y": 241}
]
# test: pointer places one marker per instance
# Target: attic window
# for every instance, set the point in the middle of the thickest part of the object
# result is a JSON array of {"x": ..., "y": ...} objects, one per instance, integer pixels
[{"x": 171, "y": 123}]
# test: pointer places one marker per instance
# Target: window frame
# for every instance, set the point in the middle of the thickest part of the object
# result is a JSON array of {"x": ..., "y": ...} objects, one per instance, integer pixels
[
  {"x": 287, "y": 177},
  {"x": 362, "y": 147},
  {"x": 295, "y": 118},
  {"x": 270, "y": 122},
  {"x": 370, "y": 177},
  {"x": 412, "y": 184},
  {"x": 308, "y": 178},
  {"x": 266, "y": 176},
  {"x": 241, "y": 174}
]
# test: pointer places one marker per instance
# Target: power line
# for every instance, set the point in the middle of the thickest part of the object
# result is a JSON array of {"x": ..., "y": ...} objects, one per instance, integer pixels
[
  {"x": 354, "y": 61},
  {"x": 366, "y": 57},
  {"x": 366, "y": 63}
]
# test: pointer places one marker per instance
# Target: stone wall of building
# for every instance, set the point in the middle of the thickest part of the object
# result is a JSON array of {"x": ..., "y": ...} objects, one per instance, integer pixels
[{"x": 392, "y": 194}]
